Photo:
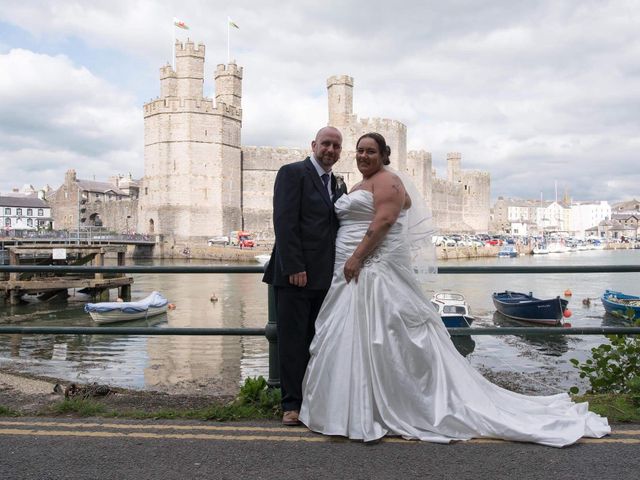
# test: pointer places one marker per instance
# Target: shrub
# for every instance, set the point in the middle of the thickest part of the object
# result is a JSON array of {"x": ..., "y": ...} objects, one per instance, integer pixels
[{"x": 613, "y": 367}]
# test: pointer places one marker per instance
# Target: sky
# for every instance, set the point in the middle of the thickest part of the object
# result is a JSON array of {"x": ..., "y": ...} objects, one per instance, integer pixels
[{"x": 537, "y": 93}]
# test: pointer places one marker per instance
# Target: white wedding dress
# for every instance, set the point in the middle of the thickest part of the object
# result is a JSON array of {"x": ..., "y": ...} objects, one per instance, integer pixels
[{"x": 382, "y": 362}]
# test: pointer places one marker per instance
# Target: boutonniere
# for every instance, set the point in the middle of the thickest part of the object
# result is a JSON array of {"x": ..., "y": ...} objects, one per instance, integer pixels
[{"x": 339, "y": 182}]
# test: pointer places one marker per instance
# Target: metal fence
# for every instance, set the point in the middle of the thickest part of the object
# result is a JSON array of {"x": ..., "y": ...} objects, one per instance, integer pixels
[{"x": 270, "y": 329}]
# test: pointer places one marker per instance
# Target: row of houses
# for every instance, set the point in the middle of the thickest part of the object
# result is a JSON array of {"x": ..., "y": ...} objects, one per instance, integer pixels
[{"x": 575, "y": 219}]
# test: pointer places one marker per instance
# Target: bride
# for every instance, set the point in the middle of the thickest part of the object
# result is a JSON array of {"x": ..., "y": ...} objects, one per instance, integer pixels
[{"x": 382, "y": 362}]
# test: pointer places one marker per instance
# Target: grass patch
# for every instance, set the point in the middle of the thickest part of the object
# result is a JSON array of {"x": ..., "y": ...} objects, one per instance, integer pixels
[
  {"x": 8, "y": 412},
  {"x": 81, "y": 406},
  {"x": 617, "y": 407}
]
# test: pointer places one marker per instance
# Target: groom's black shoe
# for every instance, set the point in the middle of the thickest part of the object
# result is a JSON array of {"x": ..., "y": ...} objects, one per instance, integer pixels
[{"x": 290, "y": 418}]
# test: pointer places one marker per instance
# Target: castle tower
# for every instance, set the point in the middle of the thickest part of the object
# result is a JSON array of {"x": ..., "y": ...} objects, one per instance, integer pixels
[
  {"x": 191, "y": 185},
  {"x": 454, "y": 160},
  {"x": 229, "y": 84},
  {"x": 228, "y": 79},
  {"x": 340, "y": 93}
]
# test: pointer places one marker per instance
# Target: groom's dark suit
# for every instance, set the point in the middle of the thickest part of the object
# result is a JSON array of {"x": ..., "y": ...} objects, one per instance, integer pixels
[{"x": 305, "y": 226}]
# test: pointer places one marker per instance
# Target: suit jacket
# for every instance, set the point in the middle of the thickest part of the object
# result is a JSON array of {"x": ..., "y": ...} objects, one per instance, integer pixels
[{"x": 305, "y": 225}]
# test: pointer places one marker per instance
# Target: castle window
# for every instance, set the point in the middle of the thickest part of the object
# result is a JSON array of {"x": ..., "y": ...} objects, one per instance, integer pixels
[
  {"x": 205, "y": 133},
  {"x": 146, "y": 191}
]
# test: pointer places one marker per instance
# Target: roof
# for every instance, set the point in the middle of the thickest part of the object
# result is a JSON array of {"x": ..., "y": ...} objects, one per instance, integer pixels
[
  {"x": 20, "y": 201},
  {"x": 100, "y": 187}
]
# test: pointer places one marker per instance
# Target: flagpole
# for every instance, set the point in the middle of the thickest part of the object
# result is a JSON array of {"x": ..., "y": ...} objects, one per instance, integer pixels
[
  {"x": 173, "y": 48},
  {"x": 228, "y": 40}
]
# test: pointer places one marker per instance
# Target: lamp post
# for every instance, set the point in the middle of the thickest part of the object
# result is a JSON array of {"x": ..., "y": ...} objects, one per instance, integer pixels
[{"x": 78, "y": 226}]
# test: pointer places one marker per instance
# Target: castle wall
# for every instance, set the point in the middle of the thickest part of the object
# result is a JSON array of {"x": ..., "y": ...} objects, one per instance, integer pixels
[{"x": 259, "y": 168}]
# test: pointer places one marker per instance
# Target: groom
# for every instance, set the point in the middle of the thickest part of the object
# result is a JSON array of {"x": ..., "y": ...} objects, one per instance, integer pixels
[{"x": 301, "y": 264}]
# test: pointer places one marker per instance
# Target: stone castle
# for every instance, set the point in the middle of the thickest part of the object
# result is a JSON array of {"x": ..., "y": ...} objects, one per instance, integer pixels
[{"x": 200, "y": 181}]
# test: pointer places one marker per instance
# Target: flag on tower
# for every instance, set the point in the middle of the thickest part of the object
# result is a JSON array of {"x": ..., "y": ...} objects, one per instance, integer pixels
[
  {"x": 232, "y": 24},
  {"x": 180, "y": 24}
]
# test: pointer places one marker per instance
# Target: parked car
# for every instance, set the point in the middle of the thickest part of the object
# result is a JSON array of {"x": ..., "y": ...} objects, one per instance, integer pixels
[{"x": 221, "y": 240}]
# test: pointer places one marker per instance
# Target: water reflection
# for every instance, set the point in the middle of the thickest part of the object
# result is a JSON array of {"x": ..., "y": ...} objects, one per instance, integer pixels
[
  {"x": 207, "y": 364},
  {"x": 554, "y": 345},
  {"x": 464, "y": 344}
]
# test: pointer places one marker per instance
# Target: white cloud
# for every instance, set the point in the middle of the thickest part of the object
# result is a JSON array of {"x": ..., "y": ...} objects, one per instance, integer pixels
[
  {"x": 530, "y": 91},
  {"x": 55, "y": 115}
]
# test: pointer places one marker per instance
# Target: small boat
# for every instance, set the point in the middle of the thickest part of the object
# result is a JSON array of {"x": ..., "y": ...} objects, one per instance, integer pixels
[
  {"x": 530, "y": 309},
  {"x": 109, "y": 312},
  {"x": 541, "y": 249},
  {"x": 263, "y": 259},
  {"x": 620, "y": 302},
  {"x": 557, "y": 247},
  {"x": 508, "y": 251},
  {"x": 453, "y": 309}
]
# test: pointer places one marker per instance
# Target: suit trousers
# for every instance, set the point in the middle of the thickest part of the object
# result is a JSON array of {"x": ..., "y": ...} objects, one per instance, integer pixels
[{"x": 296, "y": 312}]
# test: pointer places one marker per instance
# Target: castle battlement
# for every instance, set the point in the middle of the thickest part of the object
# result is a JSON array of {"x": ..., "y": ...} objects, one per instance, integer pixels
[
  {"x": 190, "y": 105},
  {"x": 384, "y": 124},
  {"x": 230, "y": 69},
  {"x": 168, "y": 105},
  {"x": 189, "y": 49},
  {"x": 167, "y": 72},
  {"x": 340, "y": 80}
]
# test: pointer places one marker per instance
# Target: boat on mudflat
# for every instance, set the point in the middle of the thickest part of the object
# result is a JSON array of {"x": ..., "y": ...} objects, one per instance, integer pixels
[
  {"x": 453, "y": 309},
  {"x": 613, "y": 301},
  {"x": 528, "y": 308},
  {"x": 110, "y": 312}
]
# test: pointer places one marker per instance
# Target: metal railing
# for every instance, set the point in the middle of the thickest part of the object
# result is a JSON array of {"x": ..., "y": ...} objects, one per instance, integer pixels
[{"x": 270, "y": 329}]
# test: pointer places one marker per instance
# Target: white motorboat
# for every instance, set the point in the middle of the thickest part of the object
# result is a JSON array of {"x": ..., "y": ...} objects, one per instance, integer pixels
[
  {"x": 262, "y": 259},
  {"x": 110, "y": 312},
  {"x": 453, "y": 309},
  {"x": 540, "y": 250}
]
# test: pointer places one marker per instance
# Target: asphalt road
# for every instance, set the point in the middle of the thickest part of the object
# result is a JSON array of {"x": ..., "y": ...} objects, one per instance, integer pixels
[{"x": 54, "y": 448}]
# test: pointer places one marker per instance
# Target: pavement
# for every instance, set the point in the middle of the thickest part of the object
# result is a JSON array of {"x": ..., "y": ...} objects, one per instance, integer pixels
[{"x": 72, "y": 448}]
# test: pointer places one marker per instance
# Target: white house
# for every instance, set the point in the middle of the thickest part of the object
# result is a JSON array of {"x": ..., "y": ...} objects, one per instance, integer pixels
[
  {"x": 585, "y": 215},
  {"x": 24, "y": 213}
]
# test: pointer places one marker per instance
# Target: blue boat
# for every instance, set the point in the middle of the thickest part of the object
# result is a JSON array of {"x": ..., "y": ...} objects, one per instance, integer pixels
[
  {"x": 620, "y": 302},
  {"x": 526, "y": 307},
  {"x": 453, "y": 309},
  {"x": 508, "y": 251}
]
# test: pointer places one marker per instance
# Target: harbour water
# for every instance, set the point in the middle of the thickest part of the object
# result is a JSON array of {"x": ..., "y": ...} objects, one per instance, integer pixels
[{"x": 219, "y": 364}]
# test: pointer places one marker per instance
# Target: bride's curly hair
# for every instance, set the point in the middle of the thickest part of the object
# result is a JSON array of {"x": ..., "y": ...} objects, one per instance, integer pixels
[{"x": 385, "y": 150}]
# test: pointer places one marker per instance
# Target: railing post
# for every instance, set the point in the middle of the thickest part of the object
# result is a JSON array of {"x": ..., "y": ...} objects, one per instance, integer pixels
[{"x": 271, "y": 332}]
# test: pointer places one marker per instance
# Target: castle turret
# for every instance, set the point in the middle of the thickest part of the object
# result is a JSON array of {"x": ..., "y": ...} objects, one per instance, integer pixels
[
  {"x": 168, "y": 82},
  {"x": 340, "y": 93},
  {"x": 229, "y": 85},
  {"x": 189, "y": 70}
]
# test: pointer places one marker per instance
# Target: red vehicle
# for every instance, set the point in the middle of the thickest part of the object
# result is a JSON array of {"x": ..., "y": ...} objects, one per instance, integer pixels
[
  {"x": 243, "y": 239},
  {"x": 493, "y": 241}
]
